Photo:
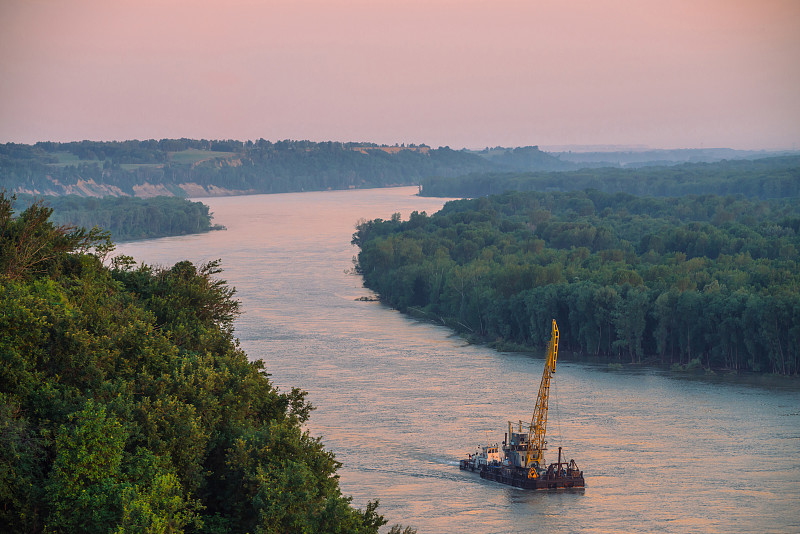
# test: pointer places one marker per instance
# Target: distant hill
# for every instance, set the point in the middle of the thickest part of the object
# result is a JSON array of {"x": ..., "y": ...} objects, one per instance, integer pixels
[
  {"x": 527, "y": 158},
  {"x": 198, "y": 168},
  {"x": 535, "y": 159}
]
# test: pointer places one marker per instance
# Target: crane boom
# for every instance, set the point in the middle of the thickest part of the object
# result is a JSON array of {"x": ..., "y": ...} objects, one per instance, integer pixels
[{"x": 536, "y": 432}]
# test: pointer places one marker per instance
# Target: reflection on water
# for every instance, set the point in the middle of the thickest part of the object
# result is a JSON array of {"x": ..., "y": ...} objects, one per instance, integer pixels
[{"x": 400, "y": 401}]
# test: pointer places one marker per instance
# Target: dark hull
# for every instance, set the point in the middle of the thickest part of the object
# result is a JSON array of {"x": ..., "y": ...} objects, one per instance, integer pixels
[{"x": 517, "y": 477}]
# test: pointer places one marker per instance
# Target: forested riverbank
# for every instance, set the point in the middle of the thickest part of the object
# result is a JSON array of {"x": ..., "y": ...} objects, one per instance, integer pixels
[
  {"x": 707, "y": 281},
  {"x": 126, "y": 404},
  {"x": 128, "y": 218}
]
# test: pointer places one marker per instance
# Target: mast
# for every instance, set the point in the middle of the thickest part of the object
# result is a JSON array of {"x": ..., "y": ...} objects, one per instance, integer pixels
[{"x": 536, "y": 432}]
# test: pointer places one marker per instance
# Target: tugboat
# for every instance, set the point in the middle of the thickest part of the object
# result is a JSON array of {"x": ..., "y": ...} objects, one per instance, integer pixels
[
  {"x": 486, "y": 455},
  {"x": 522, "y": 464}
]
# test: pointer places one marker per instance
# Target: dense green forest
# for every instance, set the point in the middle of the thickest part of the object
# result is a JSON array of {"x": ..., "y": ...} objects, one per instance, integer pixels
[
  {"x": 774, "y": 177},
  {"x": 128, "y": 218},
  {"x": 259, "y": 166},
  {"x": 708, "y": 280},
  {"x": 126, "y": 404}
]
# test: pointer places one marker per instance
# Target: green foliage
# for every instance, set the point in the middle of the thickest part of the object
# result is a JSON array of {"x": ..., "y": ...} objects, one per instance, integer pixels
[
  {"x": 21, "y": 465},
  {"x": 85, "y": 485},
  {"x": 30, "y": 244},
  {"x": 157, "y": 507},
  {"x": 127, "y": 406},
  {"x": 668, "y": 280}
]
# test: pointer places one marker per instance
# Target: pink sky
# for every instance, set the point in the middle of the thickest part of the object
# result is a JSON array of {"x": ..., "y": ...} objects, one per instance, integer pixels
[{"x": 463, "y": 73}]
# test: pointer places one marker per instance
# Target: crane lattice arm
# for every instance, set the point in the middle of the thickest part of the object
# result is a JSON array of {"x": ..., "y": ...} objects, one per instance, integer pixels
[{"x": 536, "y": 432}]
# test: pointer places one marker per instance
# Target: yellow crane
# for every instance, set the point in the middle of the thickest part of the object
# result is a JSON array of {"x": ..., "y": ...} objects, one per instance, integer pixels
[
  {"x": 533, "y": 445},
  {"x": 538, "y": 428},
  {"x": 526, "y": 450},
  {"x": 523, "y": 464}
]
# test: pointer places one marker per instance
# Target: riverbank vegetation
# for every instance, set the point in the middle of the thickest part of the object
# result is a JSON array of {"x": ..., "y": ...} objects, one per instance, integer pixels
[
  {"x": 201, "y": 167},
  {"x": 695, "y": 280},
  {"x": 772, "y": 177},
  {"x": 128, "y": 218},
  {"x": 126, "y": 404}
]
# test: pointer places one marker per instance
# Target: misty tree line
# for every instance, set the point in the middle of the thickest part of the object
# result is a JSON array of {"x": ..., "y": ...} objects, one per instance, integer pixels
[
  {"x": 692, "y": 281},
  {"x": 265, "y": 167},
  {"x": 773, "y": 177}
]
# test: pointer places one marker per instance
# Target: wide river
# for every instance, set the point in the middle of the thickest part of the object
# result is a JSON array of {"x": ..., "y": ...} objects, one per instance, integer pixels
[{"x": 401, "y": 401}]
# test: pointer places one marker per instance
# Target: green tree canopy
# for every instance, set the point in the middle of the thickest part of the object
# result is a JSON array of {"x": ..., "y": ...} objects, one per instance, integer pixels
[
  {"x": 674, "y": 280},
  {"x": 126, "y": 404}
]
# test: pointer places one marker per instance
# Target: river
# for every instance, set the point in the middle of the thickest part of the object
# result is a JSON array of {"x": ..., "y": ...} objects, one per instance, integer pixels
[{"x": 401, "y": 401}]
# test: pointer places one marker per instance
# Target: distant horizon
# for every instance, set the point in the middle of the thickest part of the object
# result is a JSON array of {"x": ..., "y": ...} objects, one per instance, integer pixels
[
  {"x": 544, "y": 148},
  {"x": 471, "y": 74}
]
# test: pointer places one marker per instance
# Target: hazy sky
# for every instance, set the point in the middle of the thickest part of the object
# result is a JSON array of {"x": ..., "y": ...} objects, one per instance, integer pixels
[{"x": 463, "y": 73}]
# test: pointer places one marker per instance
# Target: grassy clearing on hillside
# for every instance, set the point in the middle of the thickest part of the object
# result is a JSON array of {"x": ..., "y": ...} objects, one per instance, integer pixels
[
  {"x": 193, "y": 155},
  {"x": 68, "y": 158}
]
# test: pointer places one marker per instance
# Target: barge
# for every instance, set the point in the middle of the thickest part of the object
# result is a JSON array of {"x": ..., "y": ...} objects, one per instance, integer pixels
[{"x": 522, "y": 462}]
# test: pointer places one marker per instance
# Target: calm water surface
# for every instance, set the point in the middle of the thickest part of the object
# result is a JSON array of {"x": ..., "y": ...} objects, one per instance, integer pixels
[{"x": 400, "y": 401}]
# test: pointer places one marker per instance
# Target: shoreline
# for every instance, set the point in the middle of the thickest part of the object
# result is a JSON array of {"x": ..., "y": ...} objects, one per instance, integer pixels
[{"x": 698, "y": 373}]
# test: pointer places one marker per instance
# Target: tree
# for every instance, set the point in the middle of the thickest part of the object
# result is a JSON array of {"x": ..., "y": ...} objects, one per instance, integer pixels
[
  {"x": 630, "y": 319},
  {"x": 31, "y": 244}
]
